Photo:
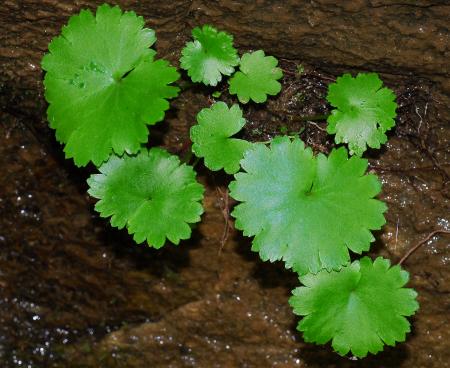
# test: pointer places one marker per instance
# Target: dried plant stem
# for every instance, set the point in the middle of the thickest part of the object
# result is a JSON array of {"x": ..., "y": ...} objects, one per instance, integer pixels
[
  {"x": 420, "y": 243},
  {"x": 225, "y": 207}
]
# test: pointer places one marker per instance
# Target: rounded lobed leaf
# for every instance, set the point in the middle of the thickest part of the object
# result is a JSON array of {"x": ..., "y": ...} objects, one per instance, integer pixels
[
  {"x": 360, "y": 308},
  {"x": 257, "y": 78},
  {"x": 308, "y": 211},
  {"x": 211, "y": 137},
  {"x": 151, "y": 194},
  {"x": 364, "y": 111},
  {"x": 210, "y": 55},
  {"x": 103, "y": 85}
]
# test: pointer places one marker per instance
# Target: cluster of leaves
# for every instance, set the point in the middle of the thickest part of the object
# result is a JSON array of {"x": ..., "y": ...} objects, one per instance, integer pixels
[
  {"x": 212, "y": 55},
  {"x": 104, "y": 87},
  {"x": 310, "y": 211}
]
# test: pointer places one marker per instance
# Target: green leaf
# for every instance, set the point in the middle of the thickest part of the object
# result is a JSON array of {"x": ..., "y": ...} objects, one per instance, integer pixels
[
  {"x": 103, "y": 85},
  {"x": 303, "y": 209},
  {"x": 257, "y": 78},
  {"x": 210, "y": 55},
  {"x": 364, "y": 111},
  {"x": 151, "y": 194},
  {"x": 211, "y": 137},
  {"x": 360, "y": 308}
]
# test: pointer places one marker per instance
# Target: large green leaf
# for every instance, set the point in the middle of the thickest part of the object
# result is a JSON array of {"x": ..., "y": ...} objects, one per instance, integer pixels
[
  {"x": 151, "y": 194},
  {"x": 303, "y": 209},
  {"x": 103, "y": 85},
  {"x": 211, "y": 137},
  {"x": 360, "y": 308},
  {"x": 364, "y": 111},
  {"x": 210, "y": 55}
]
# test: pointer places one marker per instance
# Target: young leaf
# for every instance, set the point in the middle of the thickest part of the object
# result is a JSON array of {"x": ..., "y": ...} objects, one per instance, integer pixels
[
  {"x": 257, "y": 78},
  {"x": 103, "y": 85},
  {"x": 211, "y": 137},
  {"x": 303, "y": 209},
  {"x": 360, "y": 308},
  {"x": 364, "y": 111},
  {"x": 151, "y": 194},
  {"x": 210, "y": 55}
]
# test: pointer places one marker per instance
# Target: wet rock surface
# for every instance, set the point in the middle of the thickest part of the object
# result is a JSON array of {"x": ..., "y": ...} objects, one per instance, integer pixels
[
  {"x": 399, "y": 37},
  {"x": 76, "y": 293}
]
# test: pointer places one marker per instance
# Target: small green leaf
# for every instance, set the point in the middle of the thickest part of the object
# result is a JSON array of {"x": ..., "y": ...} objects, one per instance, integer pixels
[
  {"x": 257, "y": 78},
  {"x": 210, "y": 55},
  {"x": 151, "y": 194},
  {"x": 308, "y": 211},
  {"x": 300, "y": 69},
  {"x": 364, "y": 111},
  {"x": 360, "y": 308},
  {"x": 103, "y": 85},
  {"x": 211, "y": 137}
]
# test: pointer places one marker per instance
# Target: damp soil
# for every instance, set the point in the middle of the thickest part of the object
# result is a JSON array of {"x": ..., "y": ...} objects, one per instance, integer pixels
[{"x": 76, "y": 293}]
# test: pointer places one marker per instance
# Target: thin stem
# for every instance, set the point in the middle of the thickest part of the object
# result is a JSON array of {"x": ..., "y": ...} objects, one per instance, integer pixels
[
  {"x": 317, "y": 126},
  {"x": 196, "y": 161},
  {"x": 187, "y": 158},
  {"x": 225, "y": 207},
  {"x": 420, "y": 243}
]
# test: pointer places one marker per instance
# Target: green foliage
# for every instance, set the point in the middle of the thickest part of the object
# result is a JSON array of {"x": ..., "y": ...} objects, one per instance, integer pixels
[
  {"x": 103, "y": 84},
  {"x": 360, "y": 308},
  {"x": 303, "y": 209},
  {"x": 210, "y": 55},
  {"x": 151, "y": 194},
  {"x": 257, "y": 78},
  {"x": 104, "y": 87},
  {"x": 211, "y": 137},
  {"x": 364, "y": 111}
]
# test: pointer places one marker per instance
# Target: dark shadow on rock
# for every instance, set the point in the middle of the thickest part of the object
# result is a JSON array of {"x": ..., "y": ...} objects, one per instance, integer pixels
[
  {"x": 269, "y": 274},
  {"x": 144, "y": 257},
  {"x": 391, "y": 357}
]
